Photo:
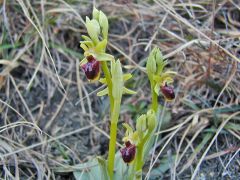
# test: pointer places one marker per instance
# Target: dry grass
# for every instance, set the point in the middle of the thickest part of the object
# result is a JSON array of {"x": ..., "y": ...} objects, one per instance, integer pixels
[{"x": 51, "y": 120}]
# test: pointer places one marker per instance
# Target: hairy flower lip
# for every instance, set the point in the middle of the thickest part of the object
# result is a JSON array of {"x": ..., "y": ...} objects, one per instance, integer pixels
[
  {"x": 128, "y": 152},
  {"x": 91, "y": 68},
  {"x": 168, "y": 92}
]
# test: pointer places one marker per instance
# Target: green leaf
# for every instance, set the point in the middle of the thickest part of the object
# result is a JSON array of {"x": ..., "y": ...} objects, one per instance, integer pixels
[
  {"x": 88, "y": 170},
  {"x": 94, "y": 169},
  {"x": 190, "y": 104},
  {"x": 164, "y": 166},
  {"x": 103, "y": 166},
  {"x": 121, "y": 168}
]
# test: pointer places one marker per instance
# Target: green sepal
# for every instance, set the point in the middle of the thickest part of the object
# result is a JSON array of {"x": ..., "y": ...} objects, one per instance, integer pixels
[
  {"x": 128, "y": 128},
  {"x": 130, "y": 135},
  {"x": 104, "y": 57},
  {"x": 101, "y": 46}
]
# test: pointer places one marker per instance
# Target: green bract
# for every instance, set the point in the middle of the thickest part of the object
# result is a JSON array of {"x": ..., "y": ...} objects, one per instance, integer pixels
[{"x": 118, "y": 79}]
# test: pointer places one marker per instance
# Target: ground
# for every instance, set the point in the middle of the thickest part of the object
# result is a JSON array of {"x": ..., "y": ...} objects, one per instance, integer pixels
[{"x": 51, "y": 119}]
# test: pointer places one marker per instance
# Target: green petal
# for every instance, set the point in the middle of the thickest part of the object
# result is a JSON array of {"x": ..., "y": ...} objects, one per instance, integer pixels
[
  {"x": 86, "y": 38},
  {"x": 84, "y": 61},
  {"x": 167, "y": 80},
  {"x": 89, "y": 44},
  {"x": 84, "y": 47},
  {"x": 128, "y": 128},
  {"x": 170, "y": 72}
]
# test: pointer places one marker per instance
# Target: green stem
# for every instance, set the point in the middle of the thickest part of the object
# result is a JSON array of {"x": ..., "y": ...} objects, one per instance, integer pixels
[
  {"x": 139, "y": 162},
  {"x": 109, "y": 83},
  {"x": 113, "y": 137},
  {"x": 154, "y": 98}
]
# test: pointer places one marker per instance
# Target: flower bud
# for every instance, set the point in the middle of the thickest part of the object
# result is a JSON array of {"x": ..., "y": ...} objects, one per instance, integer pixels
[
  {"x": 141, "y": 125},
  {"x": 151, "y": 64},
  {"x": 158, "y": 56},
  {"x": 117, "y": 80},
  {"x": 93, "y": 29},
  {"x": 95, "y": 13},
  {"x": 168, "y": 92},
  {"x": 151, "y": 120},
  {"x": 103, "y": 22},
  {"x": 91, "y": 68},
  {"x": 128, "y": 152}
]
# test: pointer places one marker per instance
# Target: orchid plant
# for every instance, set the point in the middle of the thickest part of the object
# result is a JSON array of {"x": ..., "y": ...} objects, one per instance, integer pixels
[{"x": 136, "y": 141}]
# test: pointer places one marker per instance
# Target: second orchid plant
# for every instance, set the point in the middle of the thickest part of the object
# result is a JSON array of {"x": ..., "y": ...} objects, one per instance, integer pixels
[{"x": 136, "y": 141}]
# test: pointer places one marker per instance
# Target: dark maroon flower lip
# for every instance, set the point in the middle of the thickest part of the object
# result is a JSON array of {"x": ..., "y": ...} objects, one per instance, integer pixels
[
  {"x": 128, "y": 152},
  {"x": 91, "y": 58},
  {"x": 91, "y": 68},
  {"x": 168, "y": 92}
]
